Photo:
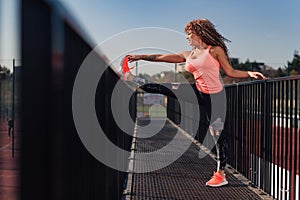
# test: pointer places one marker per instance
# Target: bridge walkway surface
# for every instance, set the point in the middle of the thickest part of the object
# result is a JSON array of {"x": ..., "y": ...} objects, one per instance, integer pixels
[{"x": 183, "y": 178}]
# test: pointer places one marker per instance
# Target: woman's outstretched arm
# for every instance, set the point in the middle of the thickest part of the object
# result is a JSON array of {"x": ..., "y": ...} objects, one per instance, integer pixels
[
  {"x": 234, "y": 73},
  {"x": 170, "y": 58}
]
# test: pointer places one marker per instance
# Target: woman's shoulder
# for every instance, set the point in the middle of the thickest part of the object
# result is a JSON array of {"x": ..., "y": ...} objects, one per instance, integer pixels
[
  {"x": 216, "y": 51},
  {"x": 186, "y": 54}
]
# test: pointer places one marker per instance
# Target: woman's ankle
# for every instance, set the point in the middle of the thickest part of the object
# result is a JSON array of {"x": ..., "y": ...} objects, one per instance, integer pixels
[{"x": 221, "y": 172}]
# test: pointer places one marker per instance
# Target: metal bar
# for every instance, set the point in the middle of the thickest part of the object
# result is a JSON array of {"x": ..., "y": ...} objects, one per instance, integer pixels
[
  {"x": 297, "y": 136},
  {"x": 268, "y": 135},
  {"x": 263, "y": 136},
  {"x": 254, "y": 136},
  {"x": 290, "y": 140},
  {"x": 242, "y": 129},
  {"x": 279, "y": 151},
  {"x": 260, "y": 137},
  {"x": 275, "y": 138},
  {"x": 235, "y": 134},
  {"x": 252, "y": 145},
  {"x": 282, "y": 140},
  {"x": 245, "y": 97},
  {"x": 296, "y": 139},
  {"x": 239, "y": 121},
  {"x": 286, "y": 135},
  {"x": 13, "y": 111},
  {"x": 248, "y": 132}
]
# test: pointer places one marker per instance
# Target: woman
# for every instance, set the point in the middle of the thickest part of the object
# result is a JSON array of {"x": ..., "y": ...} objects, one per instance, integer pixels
[{"x": 208, "y": 54}]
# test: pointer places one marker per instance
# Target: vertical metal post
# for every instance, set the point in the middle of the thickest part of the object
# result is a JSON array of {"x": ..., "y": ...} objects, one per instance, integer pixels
[
  {"x": 286, "y": 144},
  {"x": 290, "y": 140},
  {"x": 295, "y": 138},
  {"x": 136, "y": 68},
  {"x": 275, "y": 137},
  {"x": 175, "y": 76},
  {"x": 13, "y": 112}
]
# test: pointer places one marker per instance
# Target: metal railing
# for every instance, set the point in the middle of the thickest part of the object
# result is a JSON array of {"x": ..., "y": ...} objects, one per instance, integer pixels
[
  {"x": 262, "y": 127},
  {"x": 54, "y": 162},
  {"x": 262, "y": 119}
]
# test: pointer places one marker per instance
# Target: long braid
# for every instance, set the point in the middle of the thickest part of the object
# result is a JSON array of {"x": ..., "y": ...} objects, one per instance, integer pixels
[{"x": 208, "y": 33}]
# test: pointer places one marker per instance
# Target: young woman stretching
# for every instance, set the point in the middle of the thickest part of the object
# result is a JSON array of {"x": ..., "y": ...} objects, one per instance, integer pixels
[{"x": 209, "y": 53}]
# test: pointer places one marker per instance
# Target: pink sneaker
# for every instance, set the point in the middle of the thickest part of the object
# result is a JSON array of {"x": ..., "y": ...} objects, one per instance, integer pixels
[{"x": 217, "y": 180}]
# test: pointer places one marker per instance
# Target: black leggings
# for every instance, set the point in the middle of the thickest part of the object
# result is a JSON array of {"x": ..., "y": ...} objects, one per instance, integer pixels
[{"x": 214, "y": 106}]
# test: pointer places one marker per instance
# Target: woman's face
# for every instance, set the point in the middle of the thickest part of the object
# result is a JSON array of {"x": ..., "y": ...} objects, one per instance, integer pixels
[{"x": 193, "y": 39}]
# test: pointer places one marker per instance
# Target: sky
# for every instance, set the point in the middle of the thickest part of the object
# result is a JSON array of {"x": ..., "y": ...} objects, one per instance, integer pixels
[
  {"x": 9, "y": 33},
  {"x": 260, "y": 30}
]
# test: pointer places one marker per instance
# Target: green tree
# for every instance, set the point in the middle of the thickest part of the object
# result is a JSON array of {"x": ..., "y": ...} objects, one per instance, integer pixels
[
  {"x": 293, "y": 67},
  {"x": 280, "y": 72}
]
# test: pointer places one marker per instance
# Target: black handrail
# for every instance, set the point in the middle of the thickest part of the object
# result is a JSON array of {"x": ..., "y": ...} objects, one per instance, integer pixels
[{"x": 54, "y": 162}]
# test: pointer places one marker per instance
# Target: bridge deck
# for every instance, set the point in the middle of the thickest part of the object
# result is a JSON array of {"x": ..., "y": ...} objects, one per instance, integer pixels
[{"x": 184, "y": 178}]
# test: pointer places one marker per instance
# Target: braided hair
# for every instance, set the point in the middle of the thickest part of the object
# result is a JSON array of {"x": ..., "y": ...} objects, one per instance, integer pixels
[{"x": 208, "y": 33}]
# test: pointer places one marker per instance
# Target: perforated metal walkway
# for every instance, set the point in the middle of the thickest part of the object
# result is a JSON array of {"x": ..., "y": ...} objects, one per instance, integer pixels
[{"x": 184, "y": 178}]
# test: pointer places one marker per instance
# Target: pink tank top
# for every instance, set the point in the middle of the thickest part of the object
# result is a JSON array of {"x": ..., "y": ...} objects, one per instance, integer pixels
[{"x": 206, "y": 72}]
